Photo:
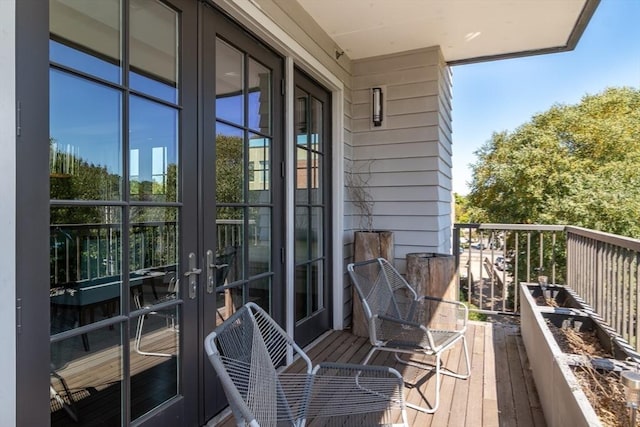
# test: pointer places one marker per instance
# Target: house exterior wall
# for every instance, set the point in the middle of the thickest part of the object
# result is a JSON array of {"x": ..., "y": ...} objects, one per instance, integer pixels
[
  {"x": 406, "y": 162},
  {"x": 409, "y": 157},
  {"x": 8, "y": 210}
]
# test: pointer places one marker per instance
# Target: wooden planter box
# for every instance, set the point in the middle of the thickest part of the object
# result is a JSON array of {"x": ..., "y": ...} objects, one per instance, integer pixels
[{"x": 561, "y": 396}]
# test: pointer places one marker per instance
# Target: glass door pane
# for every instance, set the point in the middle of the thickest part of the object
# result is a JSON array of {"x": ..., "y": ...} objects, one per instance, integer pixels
[
  {"x": 115, "y": 241},
  {"x": 311, "y": 122},
  {"x": 243, "y": 180},
  {"x": 241, "y": 196}
]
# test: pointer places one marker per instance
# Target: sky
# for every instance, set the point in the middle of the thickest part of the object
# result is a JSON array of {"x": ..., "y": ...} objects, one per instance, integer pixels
[{"x": 502, "y": 95}]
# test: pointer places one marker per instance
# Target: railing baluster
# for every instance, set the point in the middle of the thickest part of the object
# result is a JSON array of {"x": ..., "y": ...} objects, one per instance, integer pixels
[
  {"x": 636, "y": 342},
  {"x": 515, "y": 267}
]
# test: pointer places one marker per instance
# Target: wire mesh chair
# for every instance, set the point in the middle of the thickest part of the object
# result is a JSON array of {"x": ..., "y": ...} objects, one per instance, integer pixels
[
  {"x": 249, "y": 350},
  {"x": 401, "y": 321}
]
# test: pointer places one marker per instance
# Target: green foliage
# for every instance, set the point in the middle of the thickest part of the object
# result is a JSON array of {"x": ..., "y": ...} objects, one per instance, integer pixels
[
  {"x": 573, "y": 164},
  {"x": 229, "y": 169}
]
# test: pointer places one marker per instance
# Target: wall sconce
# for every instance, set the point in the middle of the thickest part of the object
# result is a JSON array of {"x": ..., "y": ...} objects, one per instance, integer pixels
[{"x": 376, "y": 103}]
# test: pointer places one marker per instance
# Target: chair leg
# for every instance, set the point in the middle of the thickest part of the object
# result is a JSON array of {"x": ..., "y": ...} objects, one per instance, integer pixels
[
  {"x": 68, "y": 407},
  {"x": 434, "y": 408},
  {"x": 139, "y": 339},
  {"x": 445, "y": 371},
  {"x": 368, "y": 356},
  {"x": 439, "y": 371}
]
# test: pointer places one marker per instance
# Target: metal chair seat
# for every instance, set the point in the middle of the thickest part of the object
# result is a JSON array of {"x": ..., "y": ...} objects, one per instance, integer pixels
[
  {"x": 249, "y": 350},
  {"x": 402, "y": 322}
]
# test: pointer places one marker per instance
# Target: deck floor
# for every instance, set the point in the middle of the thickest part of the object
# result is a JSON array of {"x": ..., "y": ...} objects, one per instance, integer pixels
[{"x": 500, "y": 391}]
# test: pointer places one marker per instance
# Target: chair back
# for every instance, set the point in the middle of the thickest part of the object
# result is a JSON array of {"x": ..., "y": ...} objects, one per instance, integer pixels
[
  {"x": 382, "y": 290},
  {"x": 246, "y": 350}
]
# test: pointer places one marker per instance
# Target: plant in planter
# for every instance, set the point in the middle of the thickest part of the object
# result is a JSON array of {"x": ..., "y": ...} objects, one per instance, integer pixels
[
  {"x": 565, "y": 375},
  {"x": 368, "y": 243}
]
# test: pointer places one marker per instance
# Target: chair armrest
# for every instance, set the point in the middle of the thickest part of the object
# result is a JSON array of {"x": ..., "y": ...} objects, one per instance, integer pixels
[
  {"x": 463, "y": 309},
  {"x": 443, "y": 300}
]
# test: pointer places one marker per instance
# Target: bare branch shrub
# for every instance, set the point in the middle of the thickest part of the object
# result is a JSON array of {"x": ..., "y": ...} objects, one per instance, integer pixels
[{"x": 357, "y": 183}]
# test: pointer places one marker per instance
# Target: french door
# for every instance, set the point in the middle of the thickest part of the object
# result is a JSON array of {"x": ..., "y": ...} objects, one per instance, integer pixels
[
  {"x": 240, "y": 209},
  {"x": 166, "y": 209},
  {"x": 122, "y": 114},
  {"x": 312, "y": 159}
]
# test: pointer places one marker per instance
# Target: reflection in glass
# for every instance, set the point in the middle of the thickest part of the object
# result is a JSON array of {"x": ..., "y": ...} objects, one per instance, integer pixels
[
  {"x": 259, "y": 97},
  {"x": 85, "y": 142},
  {"x": 301, "y": 119},
  {"x": 301, "y": 308},
  {"x": 153, "y": 45},
  {"x": 316, "y": 286},
  {"x": 153, "y": 255},
  {"x": 230, "y": 236},
  {"x": 302, "y": 234},
  {"x": 260, "y": 246},
  {"x": 154, "y": 359},
  {"x": 227, "y": 265},
  {"x": 86, "y": 382},
  {"x": 309, "y": 289},
  {"x": 229, "y": 164},
  {"x": 229, "y": 83},
  {"x": 316, "y": 232},
  {"x": 317, "y": 125},
  {"x": 302, "y": 176},
  {"x": 260, "y": 293},
  {"x": 87, "y": 36},
  {"x": 260, "y": 157},
  {"x": 227, "y": 302},
  {"x": 153, "y": 147},
  {"x": 85, "y": 265},
  {"x": 315, "y": 170}
]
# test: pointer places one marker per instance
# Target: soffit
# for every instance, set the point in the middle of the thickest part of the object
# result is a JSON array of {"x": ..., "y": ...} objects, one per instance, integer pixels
[{"x": 466, "y": 30}]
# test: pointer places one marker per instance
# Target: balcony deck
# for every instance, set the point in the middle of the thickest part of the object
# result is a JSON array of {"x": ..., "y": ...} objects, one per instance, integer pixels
[{"x": 500, "y": 391}]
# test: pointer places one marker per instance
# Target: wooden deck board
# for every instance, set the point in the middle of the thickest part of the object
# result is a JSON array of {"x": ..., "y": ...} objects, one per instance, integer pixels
[
  {"x": 500, "y": 390},
  {"x": 503, "y": 379},
  {"x": 489, "y": 385},
  {"x": 474, "y": 402}
]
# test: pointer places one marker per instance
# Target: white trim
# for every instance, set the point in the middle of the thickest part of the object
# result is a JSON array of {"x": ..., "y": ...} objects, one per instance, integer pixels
[
  {"x": 250, "y": 15},
  {"x": 8, "y": 277},
  {"x": 337, "y": 183},
  {"x": 289, "y": 198}
]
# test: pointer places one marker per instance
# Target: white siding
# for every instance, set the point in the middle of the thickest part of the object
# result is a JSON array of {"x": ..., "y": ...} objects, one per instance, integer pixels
[
  {"x": 407, "y": 161},
  {"x": 8, "y": 212}
]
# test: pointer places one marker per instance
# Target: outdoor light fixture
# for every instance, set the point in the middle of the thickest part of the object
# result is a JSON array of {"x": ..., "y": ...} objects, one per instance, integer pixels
[
  {"x": 631, "y": 382},
  {"x": 376, "y": 102}
]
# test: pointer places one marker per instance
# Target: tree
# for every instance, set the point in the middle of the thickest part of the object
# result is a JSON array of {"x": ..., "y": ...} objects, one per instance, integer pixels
[{"x": 573, "y": 164}]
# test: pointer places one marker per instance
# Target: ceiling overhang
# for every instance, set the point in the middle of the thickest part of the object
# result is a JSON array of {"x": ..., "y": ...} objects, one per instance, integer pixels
[{"x": 466, "y": 30}]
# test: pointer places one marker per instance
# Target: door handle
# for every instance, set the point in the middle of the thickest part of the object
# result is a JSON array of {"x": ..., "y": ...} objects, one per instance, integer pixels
[
  {"x": 192, "y": 274},
  {"x": 212, "y": 268}
]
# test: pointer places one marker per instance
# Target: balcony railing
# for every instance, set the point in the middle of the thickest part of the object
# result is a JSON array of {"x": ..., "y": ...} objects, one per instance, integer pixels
[{"x": 602, "y": 268}]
